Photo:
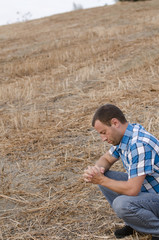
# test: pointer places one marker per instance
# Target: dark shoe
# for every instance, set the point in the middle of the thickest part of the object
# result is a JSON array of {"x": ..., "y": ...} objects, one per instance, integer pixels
[
  {"x": 155, "y": 238},
  {"x": 123, "y": 232}
]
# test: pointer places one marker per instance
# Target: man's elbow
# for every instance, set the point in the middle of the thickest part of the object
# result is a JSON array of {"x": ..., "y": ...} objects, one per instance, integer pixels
[{"x": 133, "y": 192}]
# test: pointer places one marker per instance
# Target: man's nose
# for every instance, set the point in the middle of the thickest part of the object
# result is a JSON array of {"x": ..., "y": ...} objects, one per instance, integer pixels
[{"x": 104, "y": 138}]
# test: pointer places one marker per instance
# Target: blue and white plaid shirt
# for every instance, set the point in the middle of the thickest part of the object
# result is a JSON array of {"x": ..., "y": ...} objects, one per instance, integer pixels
[{"x": 139, "y": 151}]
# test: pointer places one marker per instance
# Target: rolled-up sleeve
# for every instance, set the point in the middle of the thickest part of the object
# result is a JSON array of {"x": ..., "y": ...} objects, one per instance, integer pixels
[{"x": 114, "y": 151}]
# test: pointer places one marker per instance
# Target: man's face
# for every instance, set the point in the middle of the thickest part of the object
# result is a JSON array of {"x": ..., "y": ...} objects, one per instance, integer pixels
[{"x": 111, "y": 134}]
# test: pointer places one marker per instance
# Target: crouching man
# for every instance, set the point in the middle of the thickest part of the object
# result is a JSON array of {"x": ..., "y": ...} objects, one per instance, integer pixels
[{"x": 134, "y": 195}]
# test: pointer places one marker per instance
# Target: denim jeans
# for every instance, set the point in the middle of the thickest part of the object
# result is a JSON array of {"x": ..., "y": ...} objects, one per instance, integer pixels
[{"x": 139, "y": 212}]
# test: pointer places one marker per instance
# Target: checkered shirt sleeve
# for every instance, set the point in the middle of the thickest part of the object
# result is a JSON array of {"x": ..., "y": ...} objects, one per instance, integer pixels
[
  {"x": 141, "y": 159},
  {"x": 114, "y": 152}
]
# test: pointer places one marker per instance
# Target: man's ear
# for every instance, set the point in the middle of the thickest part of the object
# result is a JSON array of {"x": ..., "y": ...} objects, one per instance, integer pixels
[{"x": 115, "y": 122}]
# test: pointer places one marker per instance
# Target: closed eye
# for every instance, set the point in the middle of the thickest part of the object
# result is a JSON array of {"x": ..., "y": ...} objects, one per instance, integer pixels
[{"x": 102, "y": 132}]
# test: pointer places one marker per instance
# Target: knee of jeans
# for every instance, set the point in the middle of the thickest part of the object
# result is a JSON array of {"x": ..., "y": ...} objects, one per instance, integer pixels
[
  {"x": 101, "y": 187},
  {"x": 104, "y": 190},
  {"x": 121, "y": 206}
]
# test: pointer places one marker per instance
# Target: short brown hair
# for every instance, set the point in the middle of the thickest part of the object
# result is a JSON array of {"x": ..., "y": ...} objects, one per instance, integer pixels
[{"x": 106, "y": 112}]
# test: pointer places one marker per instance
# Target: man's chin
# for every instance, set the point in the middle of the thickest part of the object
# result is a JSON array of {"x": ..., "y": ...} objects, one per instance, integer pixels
[{"x": 114, "y": 143}]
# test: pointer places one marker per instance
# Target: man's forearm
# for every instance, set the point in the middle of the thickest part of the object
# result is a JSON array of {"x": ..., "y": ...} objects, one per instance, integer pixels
[
  {"x": 130, "y": 187},
  {"x": 121, "y": 187},
  {"x": 106, "y": 161},
  {"x": 102, "y": 162}
]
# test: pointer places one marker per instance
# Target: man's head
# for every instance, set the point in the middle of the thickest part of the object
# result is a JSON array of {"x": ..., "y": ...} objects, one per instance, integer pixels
[
  {"x": 110, "y": 123},
  {"x": 106, "y": 113}
]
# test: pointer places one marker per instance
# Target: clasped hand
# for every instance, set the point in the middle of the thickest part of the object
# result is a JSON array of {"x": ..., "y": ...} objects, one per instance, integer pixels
[{"x": 93, "y": 174}]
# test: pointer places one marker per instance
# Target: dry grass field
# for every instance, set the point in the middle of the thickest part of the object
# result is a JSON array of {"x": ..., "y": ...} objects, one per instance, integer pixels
[{"x": 54, "y": 73}]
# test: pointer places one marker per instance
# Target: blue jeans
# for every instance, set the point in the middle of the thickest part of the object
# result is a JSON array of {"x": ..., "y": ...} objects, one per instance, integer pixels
[{"x": 139, "y": 212}]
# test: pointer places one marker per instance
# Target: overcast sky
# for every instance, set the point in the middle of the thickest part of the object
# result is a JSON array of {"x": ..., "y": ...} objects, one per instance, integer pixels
[{"x": 17, "y": 10}]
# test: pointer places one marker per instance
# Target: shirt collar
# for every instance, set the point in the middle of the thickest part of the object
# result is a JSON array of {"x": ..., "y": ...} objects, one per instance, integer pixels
[{"x": 126, "y": 138}]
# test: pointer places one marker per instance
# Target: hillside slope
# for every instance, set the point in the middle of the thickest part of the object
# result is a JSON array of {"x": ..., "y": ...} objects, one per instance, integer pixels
[{"x": 54, "y": 73}]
